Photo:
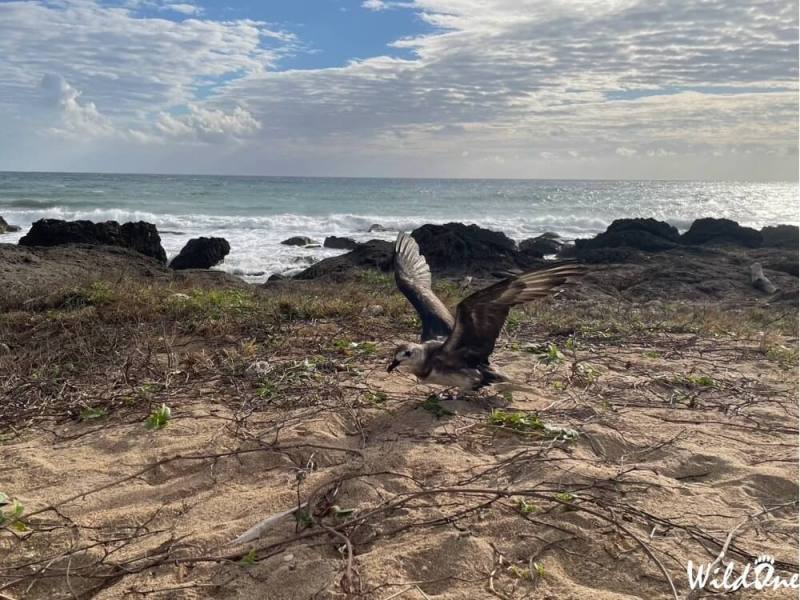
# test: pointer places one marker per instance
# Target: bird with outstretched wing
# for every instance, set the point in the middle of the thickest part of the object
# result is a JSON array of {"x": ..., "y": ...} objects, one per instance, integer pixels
[{"x": 455, "y": 352}]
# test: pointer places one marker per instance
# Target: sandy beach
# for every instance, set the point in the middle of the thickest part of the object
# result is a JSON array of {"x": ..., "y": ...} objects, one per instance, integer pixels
[{"x": 660, "y": 427}]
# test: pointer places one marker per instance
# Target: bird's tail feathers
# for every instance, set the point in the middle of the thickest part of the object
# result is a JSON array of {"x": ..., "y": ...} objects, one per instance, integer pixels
[{"x": 501, "y": 382}]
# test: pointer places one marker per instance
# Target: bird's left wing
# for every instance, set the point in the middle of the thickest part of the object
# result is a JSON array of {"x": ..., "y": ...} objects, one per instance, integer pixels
[
  {"x": 413, "y": 277},
  {"x": 480, "y": 316}
]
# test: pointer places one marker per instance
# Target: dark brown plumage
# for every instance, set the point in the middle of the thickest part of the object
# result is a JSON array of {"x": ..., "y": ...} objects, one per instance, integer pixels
[{"x": 455, "y": 352}]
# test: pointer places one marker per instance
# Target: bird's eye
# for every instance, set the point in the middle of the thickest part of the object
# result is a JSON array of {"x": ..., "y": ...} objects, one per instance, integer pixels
[{"x": 407, "y": 353}]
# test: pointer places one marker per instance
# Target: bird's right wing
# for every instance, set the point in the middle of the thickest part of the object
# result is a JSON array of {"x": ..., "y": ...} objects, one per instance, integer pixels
[
  {"x": 480, "y": 317},
  {"x": 413, "y": 277}
]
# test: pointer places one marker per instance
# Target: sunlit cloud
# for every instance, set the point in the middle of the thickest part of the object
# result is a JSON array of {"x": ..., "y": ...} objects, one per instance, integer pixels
[{"x": 618, "y": 88}]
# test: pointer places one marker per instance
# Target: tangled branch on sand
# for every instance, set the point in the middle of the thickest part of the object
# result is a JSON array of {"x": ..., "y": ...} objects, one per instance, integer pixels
[{"x": 280, "y": 404}]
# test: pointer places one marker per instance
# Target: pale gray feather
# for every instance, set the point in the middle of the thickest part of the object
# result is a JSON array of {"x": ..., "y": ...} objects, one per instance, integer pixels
[{"x": 413, "y": 277}]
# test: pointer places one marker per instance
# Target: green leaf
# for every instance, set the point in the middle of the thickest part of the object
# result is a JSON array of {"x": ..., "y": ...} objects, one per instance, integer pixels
[
  {"x": 90, "y": 413},
  {"x": 565, "y": 498},
  {"x": 159, "y": 418},
  {"x": 525, "y": 508},
  {"x": 517, "y": 421},
  {"x": 433, "y": 405},
  {"x": 249, "y": 559},
  {"x": 20, "y": 526}
]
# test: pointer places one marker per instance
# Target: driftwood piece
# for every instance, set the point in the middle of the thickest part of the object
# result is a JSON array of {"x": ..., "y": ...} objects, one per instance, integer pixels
[{"x": 760, "y": 281}]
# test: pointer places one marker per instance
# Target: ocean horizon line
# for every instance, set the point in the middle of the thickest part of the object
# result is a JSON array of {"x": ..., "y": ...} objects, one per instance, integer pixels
[{"x": 394, "y": 178}]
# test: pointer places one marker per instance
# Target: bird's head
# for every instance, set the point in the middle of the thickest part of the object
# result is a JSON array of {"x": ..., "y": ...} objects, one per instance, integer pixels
[{"x": 407, "y": 354}]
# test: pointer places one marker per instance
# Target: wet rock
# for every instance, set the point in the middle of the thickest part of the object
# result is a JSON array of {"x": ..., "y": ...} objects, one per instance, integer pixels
[
  {"x": 375, "y": 254},
  {"x": 721, "y": 231},
  {"x": 459, "y": 248},
  {"x": 567, "y": 250},
  {"x": 781, "y": 236},
  {"x": 339, "y": 243},
  {"x": 547, "y": 243},
  {"x": 375, "y": 227},
  {"x": 648, "y": 235},
  {"x": 304, "y": 260},
  {"x": 140, "y": 236},
  {"x": 6, "y": 228},
  {"x": 201, "y": 253},
  {"x": 299, "y": 240}
]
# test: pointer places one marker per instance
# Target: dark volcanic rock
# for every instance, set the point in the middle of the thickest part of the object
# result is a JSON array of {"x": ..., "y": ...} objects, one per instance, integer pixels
[
  {"x": 688, "y": 274},
  {"x": 140, "y": 236},
  {"x": 657, "y": 228},
  {"x": 449, "y": 249},
  {"x": 783, "y": 236},
  {"x": 721, "y": 231},
  {"x": 547, "y": 243},
  {"x": 6, "y": 228},
  {"x": 788, "y": 266},
  {"x": 648, "y": 235},
  {"x": 299, "y": 240},
  {"x": 375, "y": 254},
  {"x": 611, "y": 255},
  {"x": 567, "y": 250},
  {"x": 375, "y": 227},
  {"x": 339, "y": 243},
  {"x": 201, "y": 253},
  {"x": 456, "y": 247}
]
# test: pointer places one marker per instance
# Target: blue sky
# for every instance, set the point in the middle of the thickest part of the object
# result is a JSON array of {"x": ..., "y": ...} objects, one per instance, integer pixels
[
  {"x": 332, "y": 32},
  {"x": 453, "y": 88}
]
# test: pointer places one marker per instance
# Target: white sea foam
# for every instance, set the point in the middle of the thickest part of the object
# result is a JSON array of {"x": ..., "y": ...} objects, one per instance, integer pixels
[
  {"x": 255, "y": 241},
  {"x": 255, "y": 215}
]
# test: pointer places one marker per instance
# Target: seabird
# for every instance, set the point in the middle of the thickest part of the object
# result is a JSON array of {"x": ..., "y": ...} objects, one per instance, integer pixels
[{"x": 455, "y": 352}]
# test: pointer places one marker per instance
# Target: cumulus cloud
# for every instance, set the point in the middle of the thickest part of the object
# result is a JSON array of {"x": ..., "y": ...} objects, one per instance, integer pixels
[
  {"x": 184, "y": 9},
  {"x": 209, "y": 125},
  {"x": 73, "y": 118},
  {"x": 124, "y": 63},
  {"x": 603, "y": 75},
  {"x": 496, "y": 88}
]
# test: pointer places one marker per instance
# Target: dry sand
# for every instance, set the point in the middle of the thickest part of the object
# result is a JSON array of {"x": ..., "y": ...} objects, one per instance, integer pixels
[{"x": 436, "y": 500}]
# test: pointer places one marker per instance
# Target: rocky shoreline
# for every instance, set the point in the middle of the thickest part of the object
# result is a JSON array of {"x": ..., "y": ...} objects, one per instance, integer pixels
[{"x": 635, "y": 259}]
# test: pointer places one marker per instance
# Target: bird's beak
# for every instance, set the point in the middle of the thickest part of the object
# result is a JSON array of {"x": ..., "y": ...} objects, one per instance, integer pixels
[{"x": 394, "y": 364}]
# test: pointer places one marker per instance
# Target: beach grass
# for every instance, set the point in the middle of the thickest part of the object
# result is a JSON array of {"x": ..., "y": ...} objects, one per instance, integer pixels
[{"x": 193, "y": 397}]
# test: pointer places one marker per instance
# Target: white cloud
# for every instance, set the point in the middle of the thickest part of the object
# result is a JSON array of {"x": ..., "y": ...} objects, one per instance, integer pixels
[
  {"x": 73, "y": 118},
  {"x": 590, "y": 82},
  {"x": 374, "y": 5},
  {"x": 209, "y": 125},
  {"x": 129, "y": 66},
  {"x": 184, "y": 9}
]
